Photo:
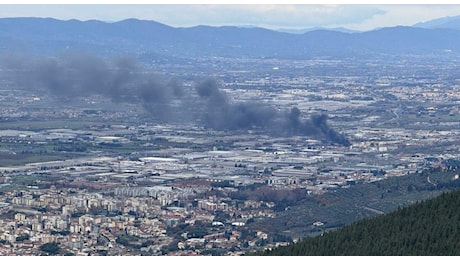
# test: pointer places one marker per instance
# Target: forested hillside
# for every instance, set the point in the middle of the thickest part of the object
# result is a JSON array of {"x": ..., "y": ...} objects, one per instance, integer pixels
[
  {"x": 431, "y": 227},
  {"x": 345, "y": 206}
]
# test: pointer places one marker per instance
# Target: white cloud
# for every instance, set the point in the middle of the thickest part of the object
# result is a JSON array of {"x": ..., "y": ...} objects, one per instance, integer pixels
[
  {"x": 406, "y": 15},
  {"x": 271, "y": 16}
]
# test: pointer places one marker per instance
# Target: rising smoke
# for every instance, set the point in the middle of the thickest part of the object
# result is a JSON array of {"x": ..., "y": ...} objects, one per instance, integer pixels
[
  {"x": 124, "y": 80},
  {"x": 224, "y": 115}
]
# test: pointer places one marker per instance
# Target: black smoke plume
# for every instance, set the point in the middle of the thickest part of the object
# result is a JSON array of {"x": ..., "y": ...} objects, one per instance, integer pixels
[
  {"x": 224, "y": 115},
  {"x": 123, "y": 80}
]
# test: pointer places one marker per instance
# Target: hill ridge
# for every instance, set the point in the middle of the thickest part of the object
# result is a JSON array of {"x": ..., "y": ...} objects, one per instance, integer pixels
[
  {"x": 430, "y": 227},
  {"x": 143, "y": 37}
]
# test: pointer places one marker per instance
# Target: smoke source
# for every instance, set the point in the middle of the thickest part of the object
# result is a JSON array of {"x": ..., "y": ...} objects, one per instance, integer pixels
[{"x": 123, "y": 80}]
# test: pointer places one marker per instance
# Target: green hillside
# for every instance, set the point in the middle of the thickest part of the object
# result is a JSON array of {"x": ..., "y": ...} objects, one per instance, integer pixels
[{"x": 431, "y": 228}]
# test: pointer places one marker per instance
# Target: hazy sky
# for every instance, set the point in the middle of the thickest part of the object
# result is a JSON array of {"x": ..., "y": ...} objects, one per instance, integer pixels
[{"x": 273, "y": 16}]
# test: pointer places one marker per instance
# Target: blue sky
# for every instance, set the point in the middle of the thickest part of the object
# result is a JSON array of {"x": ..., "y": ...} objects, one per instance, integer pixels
[{"x": 273, "y": 16}]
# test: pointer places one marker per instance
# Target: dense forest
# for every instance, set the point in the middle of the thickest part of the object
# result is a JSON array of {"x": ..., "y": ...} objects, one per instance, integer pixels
[{"x": 431, "y": 227}]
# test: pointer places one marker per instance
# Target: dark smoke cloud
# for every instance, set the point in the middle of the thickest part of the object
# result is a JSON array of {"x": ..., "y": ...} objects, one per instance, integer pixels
[
  {"x": 71, "y": 76},
  {"x": 224, "y": 115},
  {"x": 123, "y": 80},
  {"x": 221, "y": 114}
]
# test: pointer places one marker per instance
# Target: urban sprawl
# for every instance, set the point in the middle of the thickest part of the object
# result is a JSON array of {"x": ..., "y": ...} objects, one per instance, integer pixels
[{"x": 107, "y": 181}]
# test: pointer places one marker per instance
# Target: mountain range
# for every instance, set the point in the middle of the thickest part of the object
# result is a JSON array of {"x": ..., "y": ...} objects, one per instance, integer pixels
[{"x": 152, "y": 39}]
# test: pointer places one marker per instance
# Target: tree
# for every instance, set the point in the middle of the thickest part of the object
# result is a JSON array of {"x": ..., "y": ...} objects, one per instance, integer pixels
[
  {"x": 22, "y": 238},
  {"x": 50, "y": 248}
]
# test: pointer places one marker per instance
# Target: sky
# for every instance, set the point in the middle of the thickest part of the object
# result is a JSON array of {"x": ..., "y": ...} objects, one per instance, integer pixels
[{"x": 271, "y": 14}]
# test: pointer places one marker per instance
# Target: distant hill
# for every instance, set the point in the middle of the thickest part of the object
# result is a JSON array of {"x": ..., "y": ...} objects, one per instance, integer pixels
[
  {"x": 428, "y": 228},
  {"x": 151, "y": 39},
  {"x": 451, "y": 22},
  {"x": 302, "y": 31}
]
